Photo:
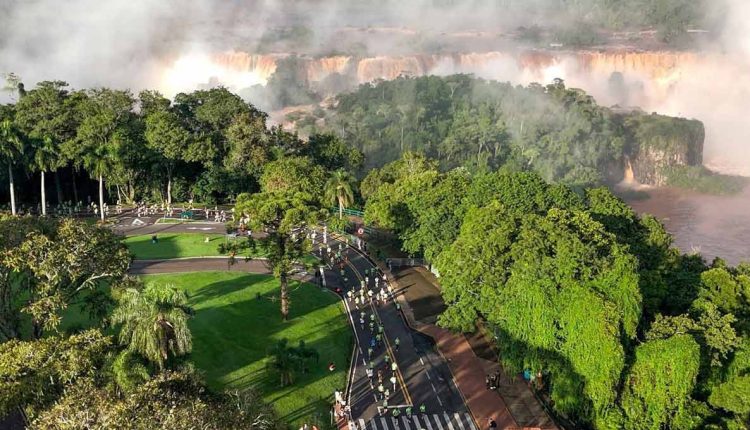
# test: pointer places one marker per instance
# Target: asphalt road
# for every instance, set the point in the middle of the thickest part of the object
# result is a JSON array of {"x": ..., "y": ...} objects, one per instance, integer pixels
[{"x": 423, "y": 377}]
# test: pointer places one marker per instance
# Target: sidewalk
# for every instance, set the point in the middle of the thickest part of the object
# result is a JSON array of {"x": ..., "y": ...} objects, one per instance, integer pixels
[{"x": 513, "y": 406}]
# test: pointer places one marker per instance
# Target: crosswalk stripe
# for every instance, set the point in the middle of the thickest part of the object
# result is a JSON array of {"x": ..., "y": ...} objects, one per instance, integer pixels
[
  {"x": 362, "y": 424},
  {"x": 383, "y": 423},
  {"x": 448, "y": 421},
  {"x": 418, "y": 423},
  {"x": 427, "y": 421},
  {"x": 457, "y": 417},
  {"x": 437, "y": 421},
  {"x": 469, "y": 419},
  {"x": 406, "y": 423}
]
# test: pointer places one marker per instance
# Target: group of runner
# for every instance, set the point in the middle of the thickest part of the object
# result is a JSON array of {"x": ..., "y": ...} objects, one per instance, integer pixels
[{"x": 372, "y": 291}]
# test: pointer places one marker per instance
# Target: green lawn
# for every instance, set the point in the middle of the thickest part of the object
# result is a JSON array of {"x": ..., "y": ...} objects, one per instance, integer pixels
[
  {"x": 233, "y": 329},
  {"x": 174, "y": 245},
  {"x": 180, "y": 245}
]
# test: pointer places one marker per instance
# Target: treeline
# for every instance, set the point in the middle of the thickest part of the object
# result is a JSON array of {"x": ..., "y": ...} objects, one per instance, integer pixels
[
  {"x": 459, "y": 120},
  {"x": 619, "y": 329},
  {"x": 208, "y": 145}
]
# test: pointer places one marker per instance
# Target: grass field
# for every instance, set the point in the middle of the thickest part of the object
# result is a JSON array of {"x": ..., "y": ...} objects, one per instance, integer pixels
[
  {"x": 181, "y": 245},
  {"x": 237, "y": 319},
  {"x": 174, "y": 245}
]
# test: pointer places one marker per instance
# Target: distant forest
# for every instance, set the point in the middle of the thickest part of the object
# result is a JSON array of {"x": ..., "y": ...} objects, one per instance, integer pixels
[{"x": 462, "y": 121}]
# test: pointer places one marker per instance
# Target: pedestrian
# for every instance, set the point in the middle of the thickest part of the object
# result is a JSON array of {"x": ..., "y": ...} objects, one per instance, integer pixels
[
  {"x": 387, "y": 359},
  {"x": 350, "y": 295},
  {"x": 492, "y": 424},
  {"x": 369, "y": 352},
  {"x": 380, "y": 328},
  {"x": 397, "y": 342},
  {"x": 369, "y": 373},
  {"x": 408, "y": 411},
  {"x": 370, "y": 294},
  {"x": 372, "y": 317},
  {"x": 356, "y": 301},
  {"x": 487, "y": 381},
  {"x": 393, "y": 381},
  {"x": 381, "y": 390},
  {"x": 378, "y": 338},
  {"x": 396, "y": 413},
  {"x": 373, "y": 342},
  {"x": 394, "y": 367},
  {"x": 380, "y": 376},
  {"x": 385, "y": 404},
  {"x": 387, "y": 394},
  {"x": 372, "y": 326},
  {"x": 422, "y": 408}
]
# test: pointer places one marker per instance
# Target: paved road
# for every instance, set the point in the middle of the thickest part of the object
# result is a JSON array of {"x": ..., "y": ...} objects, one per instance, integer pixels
[{"x": 423, "y": 377}]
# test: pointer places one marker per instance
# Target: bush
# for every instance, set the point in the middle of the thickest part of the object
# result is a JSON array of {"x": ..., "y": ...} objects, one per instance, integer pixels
[{"x": 700, "y": 179}]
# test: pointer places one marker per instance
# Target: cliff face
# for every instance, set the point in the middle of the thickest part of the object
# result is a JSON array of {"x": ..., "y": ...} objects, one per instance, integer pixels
[{"x": 657, "y": 143}]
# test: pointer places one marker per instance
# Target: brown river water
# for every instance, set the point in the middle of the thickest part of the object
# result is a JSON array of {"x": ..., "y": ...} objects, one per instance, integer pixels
[{"x": 711, "y": 225}]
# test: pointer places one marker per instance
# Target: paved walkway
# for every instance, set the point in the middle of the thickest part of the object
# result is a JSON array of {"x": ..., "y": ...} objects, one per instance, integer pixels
[{"x": 513, "y": 406}]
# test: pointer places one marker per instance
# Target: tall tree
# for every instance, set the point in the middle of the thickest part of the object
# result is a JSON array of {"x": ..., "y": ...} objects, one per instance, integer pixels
[
  {"x": 47, "y": 115},
  {"x": 285, "y": 216},
  {"x": 108, "y": 113},
  {"x": 154, "y": 322},
  {"x": 167, "y": 136},
  {"x": 11, "y": 147},
  {"x": 339, "y": 189}
]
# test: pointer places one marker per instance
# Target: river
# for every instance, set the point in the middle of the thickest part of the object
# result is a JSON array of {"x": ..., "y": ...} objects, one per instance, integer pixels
[{"x": 712, "y": 225}]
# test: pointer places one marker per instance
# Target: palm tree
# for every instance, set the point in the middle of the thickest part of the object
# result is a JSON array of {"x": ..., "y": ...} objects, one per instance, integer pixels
[
  {"x": 340, "y": 189},
  {"x": 46, "y": 159},
  {"x": 154, "y": 322},
  {"x": 10, "y": 149},
  {"x": 98, "y": 161},
  {"x": 283, "y": 361}
]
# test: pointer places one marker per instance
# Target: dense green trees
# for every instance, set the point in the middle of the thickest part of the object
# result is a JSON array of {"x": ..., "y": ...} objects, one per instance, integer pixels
[
  {"x": 47, "y": 265},
  {"x": 60, "y": 376},
  {"x": 208, "y": 145},
  {"x": 624, "y": 330},
  {"x": 458, "y": 120}
]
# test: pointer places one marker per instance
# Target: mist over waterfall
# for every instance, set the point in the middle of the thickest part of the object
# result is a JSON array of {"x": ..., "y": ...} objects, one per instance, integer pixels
[{"x": 178, "y": 47}]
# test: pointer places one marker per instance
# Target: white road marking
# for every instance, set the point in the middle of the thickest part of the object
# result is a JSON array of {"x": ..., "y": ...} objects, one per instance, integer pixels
[
  {"x": 406, "y": 423},
  {"x": 428, "y": 375},
  {"x": 421, "y": 361},
  {"x": 427, "y": 420},
  {"x": 437, "y": 422},
  {"x": 448, "y": 421},
  {"x": 458, "y": 419},
  {"x": 383, "y": 422}
]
